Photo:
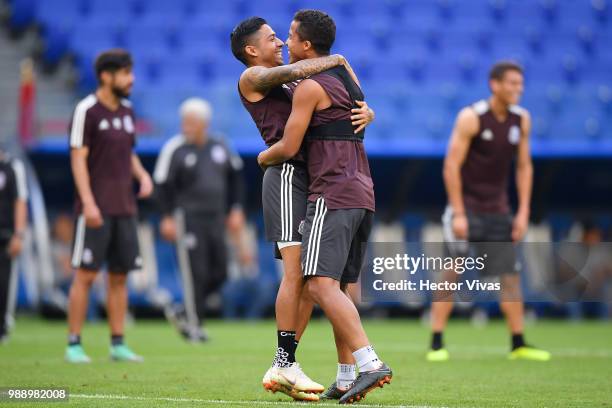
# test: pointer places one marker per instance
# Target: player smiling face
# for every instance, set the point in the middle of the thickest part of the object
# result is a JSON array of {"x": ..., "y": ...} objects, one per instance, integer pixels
[
  {"x": 254, "y": 42},
  {"x": 507, "y": 83},
  {"x": 311, "y": 34},
  {"x": 295, "y": 45},
  {"x": 269, "y": 47}
]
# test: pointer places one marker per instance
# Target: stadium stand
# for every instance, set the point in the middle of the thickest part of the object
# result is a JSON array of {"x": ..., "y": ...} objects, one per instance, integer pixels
[{"x": 443, "y": 46}]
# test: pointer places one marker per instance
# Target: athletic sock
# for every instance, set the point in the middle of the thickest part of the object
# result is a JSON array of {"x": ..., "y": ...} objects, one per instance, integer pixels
[
  {"x": 366, "y": 359},
  {"x": 74, "y": 339},
  {"x": 117, "y": 339},
  {"x": 285, "y": 350},
  {"x": 517, "y": 341},
  {"x": 345, "y": 376},
  {"x": 436, "y": 341},
  {"x": 295, "y": 346}
]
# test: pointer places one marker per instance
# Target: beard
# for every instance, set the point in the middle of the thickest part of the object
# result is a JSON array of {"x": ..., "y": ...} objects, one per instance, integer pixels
[{"x": 120, "y": 92}]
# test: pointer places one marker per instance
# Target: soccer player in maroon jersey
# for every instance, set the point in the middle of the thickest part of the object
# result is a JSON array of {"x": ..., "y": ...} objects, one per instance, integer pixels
[
  {"x": 488, "y": 136},
  {"x": 340, "y": 201},
  {"x": 266, "y": 88},
  {"x": 104, "y": 167}
]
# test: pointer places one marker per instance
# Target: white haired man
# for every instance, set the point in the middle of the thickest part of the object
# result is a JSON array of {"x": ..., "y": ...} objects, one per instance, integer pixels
[{"x": 199, "y": 175}]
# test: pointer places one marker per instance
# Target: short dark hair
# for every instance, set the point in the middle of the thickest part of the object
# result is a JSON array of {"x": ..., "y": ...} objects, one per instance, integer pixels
[
  {"x": 500, "y": 68},
  {"x": 242, "y": 34},
  {"x": 318, "y": 28},
  {"x": 112, "y": 61}
]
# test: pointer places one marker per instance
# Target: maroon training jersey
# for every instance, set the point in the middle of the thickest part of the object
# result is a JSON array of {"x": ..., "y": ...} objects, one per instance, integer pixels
[
  {"x": 110, "y": 137},
  {"x": 338, "y": 169},
  {"x": 486, "y": 170},
  {"x": 271, "y": 113}
]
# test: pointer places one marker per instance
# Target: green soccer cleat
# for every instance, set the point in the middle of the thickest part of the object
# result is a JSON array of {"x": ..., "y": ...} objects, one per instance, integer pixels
[
  {"x": 76, "y": 355},
  {"x": 122, "y": 352},
  {"x": 529, "y": 353},
  {"x": 437, "y": 355}
]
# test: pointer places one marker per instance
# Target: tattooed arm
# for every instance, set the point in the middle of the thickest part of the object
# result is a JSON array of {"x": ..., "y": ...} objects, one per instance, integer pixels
[{"x": 259, "y": 80}]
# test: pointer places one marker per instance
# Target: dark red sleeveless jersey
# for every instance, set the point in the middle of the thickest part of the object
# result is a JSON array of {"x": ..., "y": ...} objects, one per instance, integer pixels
[
  {"x": 271, "y": 113},
  {"x": 338, "y": 169},
  {"x": 486, "y": 170}
]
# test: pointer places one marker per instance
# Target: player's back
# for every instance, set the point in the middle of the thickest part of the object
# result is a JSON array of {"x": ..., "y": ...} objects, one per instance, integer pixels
[
  {"x": 337, "y": 162},
  {"x": 487, "y": 166}
]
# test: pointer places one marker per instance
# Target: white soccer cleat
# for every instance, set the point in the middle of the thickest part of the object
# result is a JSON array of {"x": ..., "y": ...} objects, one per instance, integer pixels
[
  {"x": 294, "y": 377},
  {"x": 267, "y": 378},
  {"x": 271, "y": 382}
]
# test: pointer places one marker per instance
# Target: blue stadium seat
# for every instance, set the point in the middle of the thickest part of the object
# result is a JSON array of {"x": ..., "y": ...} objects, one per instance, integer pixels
[
  {"x": 22, "y": 13},
  {"x": 419, "y": 60}
]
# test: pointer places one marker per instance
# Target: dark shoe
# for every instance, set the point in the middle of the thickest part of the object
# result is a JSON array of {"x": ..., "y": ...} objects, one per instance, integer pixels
[
  {"x": 194, "y": 334},
  {"x": 333, "y": 393},
  {"x": 366, "y": 382}
]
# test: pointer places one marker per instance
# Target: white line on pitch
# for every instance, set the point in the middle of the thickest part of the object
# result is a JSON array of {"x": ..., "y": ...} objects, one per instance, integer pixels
[{"x": 226, "y": 402}]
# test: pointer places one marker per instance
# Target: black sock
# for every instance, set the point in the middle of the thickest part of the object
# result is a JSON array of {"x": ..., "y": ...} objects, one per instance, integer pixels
[
  {"x": 117, "y": 339},
  {"x": 517, "y": 341},
  {"x": 74, "y": 339},
  {"x": 436, "y": 341},
  {"x": 285, "y": 351},
  {"x": 295, "y": 346}
]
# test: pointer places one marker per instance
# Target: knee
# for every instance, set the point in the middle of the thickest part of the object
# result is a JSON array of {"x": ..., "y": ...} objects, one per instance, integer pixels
[
  {"x": 116, "y": 280},
  {"x": 317, "y": 288},
  {"x": 84, "y": 278},
  {"x": 511, "y": 287}
]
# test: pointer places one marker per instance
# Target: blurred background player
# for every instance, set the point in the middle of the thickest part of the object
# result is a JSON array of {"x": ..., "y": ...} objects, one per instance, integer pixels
[
  {"x": 340, "y": 206},
  {"x": 199, "y": 176},
  {"x": 104, "y": 166},
  {"x": 14, "y": 211},
  {"x": 488, "y": 136}
]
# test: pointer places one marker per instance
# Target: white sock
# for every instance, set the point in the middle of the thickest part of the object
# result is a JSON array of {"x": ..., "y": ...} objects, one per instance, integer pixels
[
  {"x": 346, "y": 375},
  {"x": 366, "y": 359}
]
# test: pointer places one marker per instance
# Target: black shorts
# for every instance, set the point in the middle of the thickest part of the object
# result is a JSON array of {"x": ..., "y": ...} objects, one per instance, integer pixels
[
  {"x": 284, "y": 195},
  {"x": 335, "y": 242},
  {"x": 489, "y": 235},
  {"x": 114, "y": 243}
]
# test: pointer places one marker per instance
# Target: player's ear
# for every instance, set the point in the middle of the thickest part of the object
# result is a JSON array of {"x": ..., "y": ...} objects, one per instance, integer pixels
[
  {"x": 251, "y": 50},
  {"x": 493, "y": 85},
  {"x": 307, "y": 45},
  {"x": 105, "y": 77}
]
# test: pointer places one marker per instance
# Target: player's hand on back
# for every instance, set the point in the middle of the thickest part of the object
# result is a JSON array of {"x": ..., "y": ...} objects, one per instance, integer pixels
[
  {"x": 93, "y": 216},
  {"x": 362, "y": 116},
  {"x": 460, "y": 226}
]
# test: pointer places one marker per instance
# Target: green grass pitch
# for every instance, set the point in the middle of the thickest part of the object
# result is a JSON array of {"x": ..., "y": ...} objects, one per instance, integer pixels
[{"x": 227, "y": 371}]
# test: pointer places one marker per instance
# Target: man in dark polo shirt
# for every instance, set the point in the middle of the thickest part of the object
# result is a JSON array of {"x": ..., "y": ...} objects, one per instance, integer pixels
[
  {"x": 488, "y": 136},
  {"x": 197, "y": 174},
  {"x": 14, "y": 211},
  {"x": 104, "y": 167}
]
